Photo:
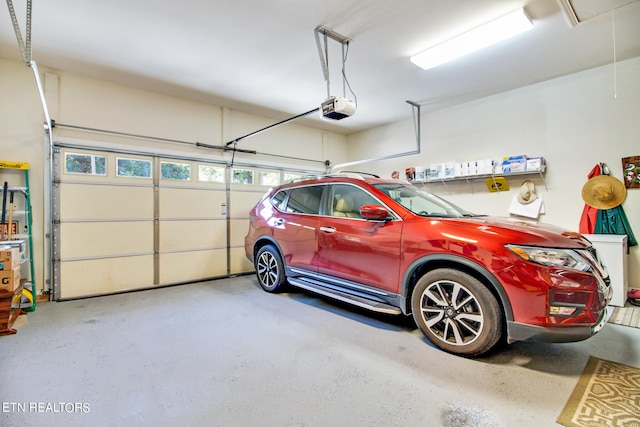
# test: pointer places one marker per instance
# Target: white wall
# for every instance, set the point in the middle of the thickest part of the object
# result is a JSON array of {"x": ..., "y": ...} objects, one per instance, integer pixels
[
  {"x": 574, "y": 122},
  {"x": 98, "y": 104},
  {"x": 80, "y": 101}
]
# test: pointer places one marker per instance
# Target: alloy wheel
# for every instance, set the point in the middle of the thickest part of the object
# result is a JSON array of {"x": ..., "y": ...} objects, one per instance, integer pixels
[
  {"x": 268, "y": 270},
  {"x": 452, "y": 313}
]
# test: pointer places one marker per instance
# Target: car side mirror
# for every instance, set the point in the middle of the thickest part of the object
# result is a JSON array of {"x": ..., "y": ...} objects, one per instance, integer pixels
[{"x": 374, "y": 212}]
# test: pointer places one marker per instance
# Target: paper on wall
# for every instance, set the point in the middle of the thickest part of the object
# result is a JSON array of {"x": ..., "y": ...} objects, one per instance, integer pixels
[{"x": 531, "y": 210}]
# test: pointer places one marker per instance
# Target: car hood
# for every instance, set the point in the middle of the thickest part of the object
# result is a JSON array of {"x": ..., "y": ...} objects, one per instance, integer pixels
[{"x": 519, "y": 231}]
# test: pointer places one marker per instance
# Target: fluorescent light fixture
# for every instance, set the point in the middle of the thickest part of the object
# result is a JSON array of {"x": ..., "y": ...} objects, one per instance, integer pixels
[{"x": 478, "y": 38}]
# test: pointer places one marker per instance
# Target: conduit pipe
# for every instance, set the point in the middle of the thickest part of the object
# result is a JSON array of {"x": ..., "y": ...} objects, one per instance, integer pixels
[{"x": 416, "y": 123}]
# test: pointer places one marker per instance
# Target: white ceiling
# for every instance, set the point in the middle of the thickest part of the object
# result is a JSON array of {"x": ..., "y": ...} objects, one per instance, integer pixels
[{"x": 260, "y": 56}]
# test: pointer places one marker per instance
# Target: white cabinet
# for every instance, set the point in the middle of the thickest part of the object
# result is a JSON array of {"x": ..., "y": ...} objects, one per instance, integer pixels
[{"x": 612, "y": 249}]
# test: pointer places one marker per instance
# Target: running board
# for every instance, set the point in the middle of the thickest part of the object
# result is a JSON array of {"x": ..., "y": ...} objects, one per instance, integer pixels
[{"x": 377, "y": 306}]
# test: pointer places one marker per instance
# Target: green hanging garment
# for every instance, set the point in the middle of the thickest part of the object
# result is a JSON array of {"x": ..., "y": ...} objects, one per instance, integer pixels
[{"x": 614, "y": 221}]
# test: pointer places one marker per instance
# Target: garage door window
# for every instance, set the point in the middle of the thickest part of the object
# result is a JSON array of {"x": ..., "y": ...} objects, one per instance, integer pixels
[
  {"x": 133, "y": 167},
  {"x": 208, "y": 173},
  {"x": 288, "y": 177},
  {"x": 269, "y": 178},
  {"x": 87, "y": 164},
  {"x": 175, "y": 171},
  {"x": 242, "y": 176}
]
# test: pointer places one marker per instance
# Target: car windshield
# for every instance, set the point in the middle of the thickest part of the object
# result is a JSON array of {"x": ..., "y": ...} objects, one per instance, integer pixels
[{"x": 421, "y": 202}]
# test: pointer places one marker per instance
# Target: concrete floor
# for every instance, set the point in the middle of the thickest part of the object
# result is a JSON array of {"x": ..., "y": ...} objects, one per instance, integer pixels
[{"x": 225, "y": 353}]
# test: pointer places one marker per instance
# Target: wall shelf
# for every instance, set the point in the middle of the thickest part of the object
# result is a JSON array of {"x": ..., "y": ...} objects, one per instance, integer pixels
[
  {"x": 470, "y": 178},
  {"x": 21, "y": 299}
]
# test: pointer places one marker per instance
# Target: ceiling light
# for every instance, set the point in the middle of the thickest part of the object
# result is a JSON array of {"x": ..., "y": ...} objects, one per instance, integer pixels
[{"x": 480, "y": 37}]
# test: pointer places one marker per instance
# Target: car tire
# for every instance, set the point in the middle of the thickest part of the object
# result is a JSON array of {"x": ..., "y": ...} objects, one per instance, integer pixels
[
  {"x": 270, "y": 269},
  {"x": 457, "y": 313}
]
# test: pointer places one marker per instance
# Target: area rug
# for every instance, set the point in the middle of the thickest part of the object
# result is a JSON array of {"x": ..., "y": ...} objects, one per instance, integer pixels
[
  {"x": 607, "y": 395},
  {"x": 626, "y": 316}
]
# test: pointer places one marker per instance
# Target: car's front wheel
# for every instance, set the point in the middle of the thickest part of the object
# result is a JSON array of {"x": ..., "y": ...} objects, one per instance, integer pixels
[
  {"x": 457, "y": 313},
  {"x": 270, "y": 269}
]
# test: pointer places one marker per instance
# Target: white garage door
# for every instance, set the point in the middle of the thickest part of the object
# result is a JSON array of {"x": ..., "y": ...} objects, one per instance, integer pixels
[{"x": 130, "y": 221}]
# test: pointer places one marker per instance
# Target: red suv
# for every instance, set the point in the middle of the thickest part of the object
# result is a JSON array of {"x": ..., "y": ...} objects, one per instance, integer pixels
[{"x": 470, "y": 281}]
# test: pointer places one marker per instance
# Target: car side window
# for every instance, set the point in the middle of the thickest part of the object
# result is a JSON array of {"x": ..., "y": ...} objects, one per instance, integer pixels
[
  {"x": 346, "y": 201},
  {"x": 305, "y": 200},
  {"x": 278, "y": 199}
]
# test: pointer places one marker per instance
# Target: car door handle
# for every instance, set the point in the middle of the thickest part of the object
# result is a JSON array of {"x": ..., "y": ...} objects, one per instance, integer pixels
[{"x": 328, "y": 229}]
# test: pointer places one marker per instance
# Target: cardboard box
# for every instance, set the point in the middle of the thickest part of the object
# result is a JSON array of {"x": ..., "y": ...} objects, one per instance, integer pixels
[
  {"x": 20, "y": 244},
  {"x": 514, "y": 164},
  {"x": 535, "y": 164},
  {"x": 9, "y": 280},
  {"x": 470, "y": 168},
  {"x": 485, "y": 166},
  {"x": 9, "y": 257},
  {"x": 436, "y": 171},
  {"x": 449, "y": 170}
]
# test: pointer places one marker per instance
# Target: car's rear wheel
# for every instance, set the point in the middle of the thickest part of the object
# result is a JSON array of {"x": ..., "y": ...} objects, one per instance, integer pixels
[
  {"x": 457, "y": 313},
  {"x": 270, "y": 269}
]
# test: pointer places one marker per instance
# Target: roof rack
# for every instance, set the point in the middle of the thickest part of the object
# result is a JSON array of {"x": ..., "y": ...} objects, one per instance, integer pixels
[
  {"x": 348, "y": 174},
  {"x": 355, "y": 174},
  {"x": 303, "y": 178}
]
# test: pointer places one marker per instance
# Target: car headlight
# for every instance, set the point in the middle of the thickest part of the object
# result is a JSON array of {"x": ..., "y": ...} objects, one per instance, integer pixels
[{"x": 551, "y": 257}]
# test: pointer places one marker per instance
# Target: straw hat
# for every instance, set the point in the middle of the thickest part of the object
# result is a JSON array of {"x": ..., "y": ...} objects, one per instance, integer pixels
[
  {"x": 527, "y": 193},
  {"x": 603, "y": 192}
]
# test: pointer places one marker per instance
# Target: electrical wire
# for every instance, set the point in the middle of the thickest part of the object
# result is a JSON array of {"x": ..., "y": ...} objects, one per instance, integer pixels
[
  {"x": 345, "y": 54},
  {"x": 615, "y": 62}
]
